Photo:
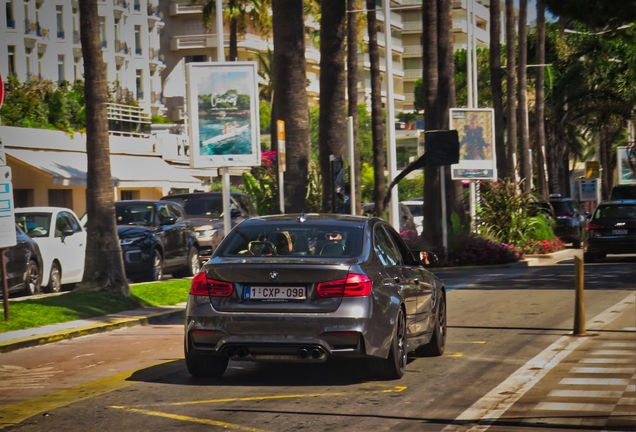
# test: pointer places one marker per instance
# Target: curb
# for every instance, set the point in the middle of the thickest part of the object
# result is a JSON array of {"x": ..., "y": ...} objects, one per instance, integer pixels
[{"x": 36, "y": 340}]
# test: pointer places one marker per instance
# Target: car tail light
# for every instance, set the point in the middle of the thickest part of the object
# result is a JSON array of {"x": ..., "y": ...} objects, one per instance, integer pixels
[
  {"x": 593, "y": 226},
  {"x": 355, "y": 285},
  {"x": 202, "y": 285}
]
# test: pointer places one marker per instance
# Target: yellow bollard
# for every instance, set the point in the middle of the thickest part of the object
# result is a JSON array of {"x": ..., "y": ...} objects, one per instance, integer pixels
[{"x": 579, "y": 299}]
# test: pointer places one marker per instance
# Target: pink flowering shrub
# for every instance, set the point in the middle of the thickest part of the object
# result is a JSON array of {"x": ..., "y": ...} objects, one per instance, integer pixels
[
  {"x": 540, "y": 247},
  {"x": 469, "y": 250}
]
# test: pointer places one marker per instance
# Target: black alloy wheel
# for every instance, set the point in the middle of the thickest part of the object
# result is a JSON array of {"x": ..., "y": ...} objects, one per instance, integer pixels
[
  {"x": 193, "y": 261},
  {"x": 437, "y": 345},
  {"x": 205, "y": 366},
  {"x": 394, "y": 366},
  {"x": 55, "y": 279},
  {"x": 32, "y": 280}
]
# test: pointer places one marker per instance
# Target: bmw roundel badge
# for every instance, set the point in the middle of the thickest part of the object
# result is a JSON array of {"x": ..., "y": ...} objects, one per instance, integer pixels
[{"x": 273, "y": 275}]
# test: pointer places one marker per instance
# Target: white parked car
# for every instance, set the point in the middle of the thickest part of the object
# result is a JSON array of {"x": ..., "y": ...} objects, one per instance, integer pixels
[
  {"x": 417, "y": 210},
  {"x": 62, "y": 242}
]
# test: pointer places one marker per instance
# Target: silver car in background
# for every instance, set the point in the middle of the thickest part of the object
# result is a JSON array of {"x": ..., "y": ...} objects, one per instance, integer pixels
[{"x": 303, "y": 288}]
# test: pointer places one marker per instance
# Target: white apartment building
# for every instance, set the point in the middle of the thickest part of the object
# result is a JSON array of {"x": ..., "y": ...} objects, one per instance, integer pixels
[{"x": 41, "y": 40}]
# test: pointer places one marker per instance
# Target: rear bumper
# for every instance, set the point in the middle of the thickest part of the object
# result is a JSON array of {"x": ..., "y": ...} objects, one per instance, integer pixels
[{"x": 611, "y": 245}]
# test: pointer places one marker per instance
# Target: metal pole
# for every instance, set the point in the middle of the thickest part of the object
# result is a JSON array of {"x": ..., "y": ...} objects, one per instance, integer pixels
[
  {"x": 473, "y": 25},
  {"x": 473, "y": 201},
  {"x": 579, "y": 299},
  {"x": 227, "y": 217},
  {"x": 5, "y": 285},
  {"x": 281, "y": 191},
  {"x": 352, "y": 165},
  {"x": 442, "y": 174},
  {"x": 394, "y": 209},
  {"x": 220, "y": 41},
  {"x": 469, "y": 56}
]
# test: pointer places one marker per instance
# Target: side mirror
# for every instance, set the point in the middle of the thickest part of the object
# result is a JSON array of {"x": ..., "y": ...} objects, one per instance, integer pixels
[
  {"x": 67, "y": 232},
  {"x": 428, "y": 259},
  {"x": 235, "y": 213},
  {"x": 168, "y": 220}
]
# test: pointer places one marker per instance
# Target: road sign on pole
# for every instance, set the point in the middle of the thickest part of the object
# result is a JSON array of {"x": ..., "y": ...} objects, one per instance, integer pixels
[{"x": 592, "y": 169}]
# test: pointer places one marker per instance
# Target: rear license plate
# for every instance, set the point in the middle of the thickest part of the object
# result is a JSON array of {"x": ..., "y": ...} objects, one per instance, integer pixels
[
  {"x": 619, "y": 232},
  {"x": 275, "y": 293}
]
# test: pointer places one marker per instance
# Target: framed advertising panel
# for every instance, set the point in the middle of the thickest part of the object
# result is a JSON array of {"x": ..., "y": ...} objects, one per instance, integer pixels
[
  {"x": 223, "y": 115},
  {"x": 475, "y": 127},
  {"x": 625, "y": 172}
]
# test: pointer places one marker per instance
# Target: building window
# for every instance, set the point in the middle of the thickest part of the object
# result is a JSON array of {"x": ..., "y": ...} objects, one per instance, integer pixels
[
  {"x": 11, "y": 60},
  {"x": 60, "y": 68},
  {"x": 138, "y": 50},
  {"x": 27, "y": 53},
  {"x": 40, "y": 56},
  {"x": 137, "y": 5},
  {"x": 10, "y": 17},
  {"x": 60, "y": 22},
  {"x": 76, "y": 69},
  {"x": 102, "y": 31},
  {"x": 139, "y": 83}
]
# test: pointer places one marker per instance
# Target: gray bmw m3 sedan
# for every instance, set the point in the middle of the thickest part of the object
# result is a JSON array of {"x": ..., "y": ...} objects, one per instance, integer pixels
[{"x": 306, "y": 287}]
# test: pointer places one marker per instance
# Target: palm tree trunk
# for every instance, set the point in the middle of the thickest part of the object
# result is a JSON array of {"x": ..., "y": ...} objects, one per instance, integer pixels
[
  {"x": 446, "y": 98},
  {"x": 379, "y": 190},
  {"x": 331, "y": 123},
  {"x": 103, "y": 265},
  {"x": 290, "y": 82},
  {"x": 497, "y": 88},
  {"x": 432, "y": 231},
  {"x": 511, "y": 108},
  {"x": 540, "y": 101},
  {"x": 233, "y": 56},
  {"x": 352, "y": 94},
  {"x": 524, "y": 139}
]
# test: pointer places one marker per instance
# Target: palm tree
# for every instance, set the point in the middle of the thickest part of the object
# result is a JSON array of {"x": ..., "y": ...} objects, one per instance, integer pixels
[
  {"x": 524, "y": 139},
  {"x": 432, "y": 210},
  {"x": 496, "y": 88},
  {"x": 352, "y": 93},
  {"x": 266, "y": 71},
  {"x": 379, "y": 190},
  {"x": 332, "y": 92},
  {"x": 238, "y": 12},
  {"x": 290, "y": 78},
  {"x": 540, "y": 101},
  {"x": 103, "y": 266},
  {"x": 511, "y": 107},
  {"x": 446, "y": 96}
]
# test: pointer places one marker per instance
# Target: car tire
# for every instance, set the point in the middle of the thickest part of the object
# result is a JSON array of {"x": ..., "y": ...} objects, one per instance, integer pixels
[
  {"x": 392, "y": 367},
  {"x": 32, "y": 279},
  {"x": 576, "y": 243},
  {"x": 156, "y": 269},
  {"x": 55, "y": 279},
  {"x": 589, "y": 258},
  {"x": 192, "y": 266},
  {"x": 436, "y": 346},
  {"x": 205, "y": 366}
]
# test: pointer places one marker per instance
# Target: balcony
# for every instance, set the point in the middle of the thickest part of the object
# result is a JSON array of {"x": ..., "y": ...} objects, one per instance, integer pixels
[
  {"x": 127, "y": 120},
  {"x": 120, "y": 7},
  {"x": 76, "y": 38},
  {"x": 192, "y": 42},
  {"x": 156, "y": 59},
  {"x": 412, "y": 26},
  {"x": 155, "y": 15},
  {"x": 156, "y": 99},
  {"x": 413, "y": 50},
  {"x": 412, "y": 74},
  {"x": 183, "y": 7}
]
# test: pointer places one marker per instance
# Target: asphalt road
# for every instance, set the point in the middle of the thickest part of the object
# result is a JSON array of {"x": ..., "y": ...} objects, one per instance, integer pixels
[{"x": 134, "y": 379}]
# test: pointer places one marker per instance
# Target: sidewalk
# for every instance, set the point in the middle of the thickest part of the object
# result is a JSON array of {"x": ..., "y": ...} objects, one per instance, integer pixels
[{"x": 13, "y": 340}]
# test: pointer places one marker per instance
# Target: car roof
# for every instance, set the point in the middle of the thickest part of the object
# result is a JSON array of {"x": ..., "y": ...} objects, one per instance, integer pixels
[
  {"x": 618, "y": 202},
  {"x": 198, "y": 195},
  {"x": 137, "y": 202},
  {"x": 42, "y": 209},
  {"x": 310, "y": 217},
  {"x": 412, "y": 202}
]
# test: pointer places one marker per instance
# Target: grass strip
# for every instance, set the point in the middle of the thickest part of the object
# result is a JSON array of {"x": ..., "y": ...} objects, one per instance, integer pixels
[{"x": 77, "y": 305}]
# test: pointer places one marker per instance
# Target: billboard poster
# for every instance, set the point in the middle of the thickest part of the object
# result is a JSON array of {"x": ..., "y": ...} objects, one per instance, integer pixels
[
  {"x": 223, "y": 115},
  {"x": 475, "y": 127},
  {"x": 625, "y": 171}
]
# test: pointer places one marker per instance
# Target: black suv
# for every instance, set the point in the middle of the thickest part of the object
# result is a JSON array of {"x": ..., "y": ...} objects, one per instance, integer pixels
[
  {"x": 156, "y": 237},
  {"x": 611, "y": 230},
  {"x": 571, "y": 220},
  {"x": 205, "y": 210}
]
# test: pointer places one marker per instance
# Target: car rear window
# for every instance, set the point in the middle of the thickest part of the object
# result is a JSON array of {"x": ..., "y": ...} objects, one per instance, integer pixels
[
  {"x": 624, "y": 192},
  {"x": 206, "y": 208},
  {"x": 615, "y": 212},
  {"x": 292, "y": 240},
  {"x": 561, "y": 207}
]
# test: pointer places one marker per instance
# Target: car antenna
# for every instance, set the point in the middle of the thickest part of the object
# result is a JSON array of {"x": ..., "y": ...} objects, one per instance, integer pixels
[{"x": 302, "y": 218}]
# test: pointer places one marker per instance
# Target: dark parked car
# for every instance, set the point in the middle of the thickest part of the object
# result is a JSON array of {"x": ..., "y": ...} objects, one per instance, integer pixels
[
  {"x": 611, "y": 230},
  {"x": 623, "y": 192},
  {"x": 24, "y": 265},
  {"x": 571, "y": 220},
  {"x": 406, "y": 218},
  {"x": 303, "y": 288},
  {"x": 205, "y": 210},
  {"x": 156, "y": 238}
]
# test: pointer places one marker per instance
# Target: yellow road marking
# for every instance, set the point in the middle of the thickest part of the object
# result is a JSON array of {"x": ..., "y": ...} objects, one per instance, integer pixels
[
  {"x": 10, "y": 415},
  {"x": 396, "y": 389},
  {"x": 191, "y": 419},
  {"x": 458, "y": 354},
  {"x": 467, "y": 342}
]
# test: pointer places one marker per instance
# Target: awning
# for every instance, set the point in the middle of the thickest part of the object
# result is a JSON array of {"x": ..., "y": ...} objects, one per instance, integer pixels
[{"x": 69, "y": 169}]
